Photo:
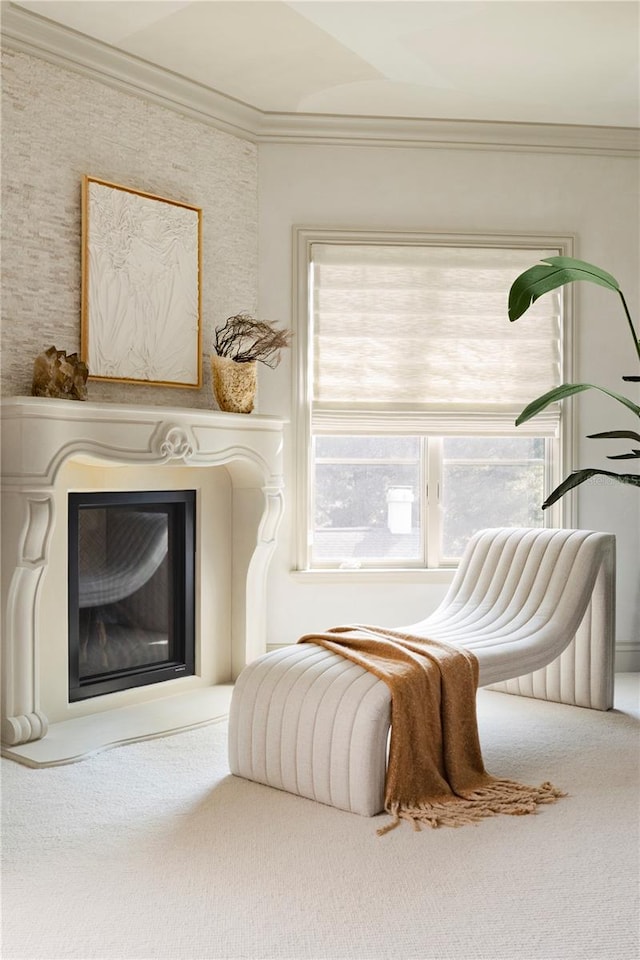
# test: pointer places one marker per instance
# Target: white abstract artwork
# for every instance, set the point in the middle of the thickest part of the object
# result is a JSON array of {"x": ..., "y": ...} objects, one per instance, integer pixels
[{"x": 141, "y": 287}]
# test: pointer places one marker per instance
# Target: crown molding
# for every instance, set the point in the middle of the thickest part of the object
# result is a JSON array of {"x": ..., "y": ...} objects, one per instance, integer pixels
[
  {"x": 29, "y": 33},
  {"x": 449, "y": 134}
]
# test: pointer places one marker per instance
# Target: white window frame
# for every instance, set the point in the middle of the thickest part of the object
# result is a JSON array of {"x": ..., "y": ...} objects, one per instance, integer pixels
[{"x": 561, "y": 515}]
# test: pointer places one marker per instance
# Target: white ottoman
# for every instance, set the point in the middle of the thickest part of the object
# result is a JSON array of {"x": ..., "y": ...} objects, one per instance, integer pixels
[{"x": 310, "y": 722}]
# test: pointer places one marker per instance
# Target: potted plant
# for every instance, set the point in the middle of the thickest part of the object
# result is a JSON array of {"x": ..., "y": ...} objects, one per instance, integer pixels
[
  {"x": 548, "y": 275},
  {"x": 240, "y": 343}
]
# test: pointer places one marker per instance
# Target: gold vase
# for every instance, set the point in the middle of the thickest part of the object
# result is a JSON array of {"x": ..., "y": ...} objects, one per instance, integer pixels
[{"x": 234, "y": 384}]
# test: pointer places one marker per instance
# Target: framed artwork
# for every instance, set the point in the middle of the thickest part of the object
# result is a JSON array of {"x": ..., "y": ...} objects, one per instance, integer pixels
[{"x": 141, "y": 279}]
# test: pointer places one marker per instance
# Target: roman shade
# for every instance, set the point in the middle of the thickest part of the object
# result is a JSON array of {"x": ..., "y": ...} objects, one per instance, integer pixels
[{"x": 416, "y": 336}]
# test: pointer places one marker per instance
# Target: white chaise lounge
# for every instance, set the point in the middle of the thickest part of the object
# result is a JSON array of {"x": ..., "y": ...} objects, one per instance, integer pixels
[{"x": 536, "y": 607}]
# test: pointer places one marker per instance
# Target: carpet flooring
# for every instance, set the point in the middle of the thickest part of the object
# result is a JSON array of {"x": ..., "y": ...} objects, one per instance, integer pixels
[{"x": 153, "y": 850}]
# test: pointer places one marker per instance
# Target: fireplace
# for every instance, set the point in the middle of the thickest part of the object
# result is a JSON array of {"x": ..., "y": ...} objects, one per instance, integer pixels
[
  {"x": 131, "y": 589},
  {"x": 59, "y": 456}
]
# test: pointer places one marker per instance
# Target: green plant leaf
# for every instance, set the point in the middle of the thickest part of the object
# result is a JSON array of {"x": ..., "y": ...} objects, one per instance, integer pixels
[
  {"x": 579, "y": 476},
  {"x": 614, "y": 435},
  {"x": 634, "y": 455},
  {"x": 551, "y": 273},
  {"x": 567, "y": 390}
]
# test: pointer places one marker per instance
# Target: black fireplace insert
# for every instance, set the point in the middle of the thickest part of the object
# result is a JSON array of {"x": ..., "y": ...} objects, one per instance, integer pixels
[{"x": 131, "y": 589}]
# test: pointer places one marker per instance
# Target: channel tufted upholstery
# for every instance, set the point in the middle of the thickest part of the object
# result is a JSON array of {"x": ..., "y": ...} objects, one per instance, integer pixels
[{"x": 536, "y": 607}]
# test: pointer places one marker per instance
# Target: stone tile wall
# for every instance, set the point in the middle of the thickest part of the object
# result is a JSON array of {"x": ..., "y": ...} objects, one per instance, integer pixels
[{"x": 58, "y": 125}]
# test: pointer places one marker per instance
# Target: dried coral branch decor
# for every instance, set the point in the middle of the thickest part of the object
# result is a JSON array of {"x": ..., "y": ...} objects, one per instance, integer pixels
[{"x": 240, "y": 343}]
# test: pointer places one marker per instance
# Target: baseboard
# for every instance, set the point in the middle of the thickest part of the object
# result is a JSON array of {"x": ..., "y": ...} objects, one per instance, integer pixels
[{"x": 627, "y": 658}]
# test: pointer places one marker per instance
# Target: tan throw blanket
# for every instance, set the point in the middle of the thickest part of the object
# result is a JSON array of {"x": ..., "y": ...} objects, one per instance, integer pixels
[{"x": 435, "y": 773}]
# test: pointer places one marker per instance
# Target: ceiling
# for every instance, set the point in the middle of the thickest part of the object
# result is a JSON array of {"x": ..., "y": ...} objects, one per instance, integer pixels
[{"x": 527, "y": 61}]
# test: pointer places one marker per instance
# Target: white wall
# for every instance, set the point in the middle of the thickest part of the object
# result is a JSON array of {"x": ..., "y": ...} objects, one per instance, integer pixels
[{"x": 595, "y": 198}]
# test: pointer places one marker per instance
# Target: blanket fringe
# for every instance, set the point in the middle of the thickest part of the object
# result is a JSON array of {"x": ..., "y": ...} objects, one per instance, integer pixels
[{"x": 498, "y": 797}]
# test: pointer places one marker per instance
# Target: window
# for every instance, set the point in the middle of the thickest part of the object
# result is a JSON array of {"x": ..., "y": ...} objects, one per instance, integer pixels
[{"x": 411, "y": 377}]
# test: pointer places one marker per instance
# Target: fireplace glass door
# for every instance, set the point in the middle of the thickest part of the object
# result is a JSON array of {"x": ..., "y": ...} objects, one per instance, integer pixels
[{"x": 131, "y": 589}]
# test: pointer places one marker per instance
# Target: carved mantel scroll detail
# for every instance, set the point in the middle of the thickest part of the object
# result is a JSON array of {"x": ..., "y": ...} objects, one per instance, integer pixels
[
  {"x": 173, "y": 443},
  {"x": 257, "y": 573},
  {"x": 22, "y": 719}
]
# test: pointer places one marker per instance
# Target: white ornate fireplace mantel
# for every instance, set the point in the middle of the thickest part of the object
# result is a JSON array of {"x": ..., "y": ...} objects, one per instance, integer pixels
[{"x": 50, "y": 447}]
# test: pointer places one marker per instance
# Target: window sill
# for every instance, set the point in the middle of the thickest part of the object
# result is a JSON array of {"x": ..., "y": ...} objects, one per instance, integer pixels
[{"x": 392, "y": 574}]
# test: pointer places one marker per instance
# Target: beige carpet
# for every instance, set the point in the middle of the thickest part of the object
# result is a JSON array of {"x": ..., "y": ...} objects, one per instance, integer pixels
[{"x": 154, "y": 851}]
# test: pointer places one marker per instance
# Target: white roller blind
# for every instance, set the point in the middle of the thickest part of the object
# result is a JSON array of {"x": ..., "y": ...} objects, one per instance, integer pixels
[{"x": 425, "y": 329}]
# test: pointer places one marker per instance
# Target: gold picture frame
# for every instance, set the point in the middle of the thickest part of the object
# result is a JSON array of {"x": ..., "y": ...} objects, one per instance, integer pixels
[{"x": 141, "y": 287}]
